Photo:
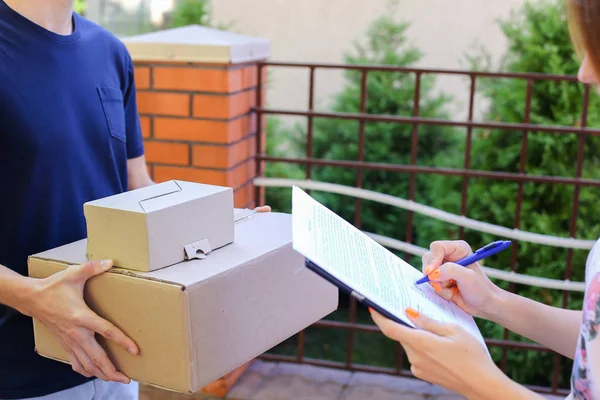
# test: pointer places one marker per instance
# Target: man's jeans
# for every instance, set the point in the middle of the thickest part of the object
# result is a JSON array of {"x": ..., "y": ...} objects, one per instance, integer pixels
[{"x": 97, "y": 390}]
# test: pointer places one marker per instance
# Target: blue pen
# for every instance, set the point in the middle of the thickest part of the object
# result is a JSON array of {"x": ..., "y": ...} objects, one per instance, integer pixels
[{"x": 480, "y": 254}]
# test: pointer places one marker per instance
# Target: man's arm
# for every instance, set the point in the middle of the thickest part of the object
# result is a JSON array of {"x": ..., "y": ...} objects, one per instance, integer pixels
[
  {"x": 14, "y": 289},
  {"x": 137, "y": 173},
  {"x": 57, "y": 303}
]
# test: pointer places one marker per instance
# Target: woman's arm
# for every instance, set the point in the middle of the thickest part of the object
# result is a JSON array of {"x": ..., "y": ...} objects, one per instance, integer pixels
[
  {"x": 555, "y": 328},
  {"x": 471, "y": 290},
  {"x": 446, "y": 355}
]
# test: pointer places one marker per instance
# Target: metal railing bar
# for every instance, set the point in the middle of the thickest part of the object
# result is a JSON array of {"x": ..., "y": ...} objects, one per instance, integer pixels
[
  {"x": 430, "y": 121},
  {"x": 510, "y": 176},
  {"x": 437, "y": 71},
  {"x": 515, "y": 234}
]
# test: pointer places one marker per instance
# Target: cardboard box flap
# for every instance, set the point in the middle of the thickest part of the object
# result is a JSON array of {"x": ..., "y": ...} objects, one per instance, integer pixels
[
  {"x": 130, "y": 200},
  {"x": 156, "y": 197},
  {"x": 240, "y": 214},
  {"x": 188, "y": 191},
  {"x": 72, "y": 253},
  {"x": 249, "y": 245}
]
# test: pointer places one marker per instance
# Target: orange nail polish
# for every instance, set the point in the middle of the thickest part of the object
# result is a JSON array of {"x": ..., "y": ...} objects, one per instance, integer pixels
[
  {"x": 427, "y": 270},
  {"x": 452, "y": 281},
  {"x": 437, "y": 287},
  {"x": 370, "y": 310},
  {"x": 412, "y": 313},
  {"x": 434, "y": 275},
  {"x": 455, "y": 289}
]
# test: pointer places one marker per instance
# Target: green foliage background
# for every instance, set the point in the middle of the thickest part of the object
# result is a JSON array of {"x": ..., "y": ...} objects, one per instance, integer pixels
[
  {"x": 194, "y": 12},
  {"x": 138, "y": 21},
  {"x": 79, "y": 6},
  {"x": 191, "y": 12},
  {"x": 538, "y": 41}
]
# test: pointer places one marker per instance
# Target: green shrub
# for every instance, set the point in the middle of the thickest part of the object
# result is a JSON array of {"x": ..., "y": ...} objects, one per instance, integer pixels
[
  {"x": 282, "y": 141},
  {"x": 79, "y": 6},
  {"x": 191, "y": 12},
  {"x": 388, "y": 93}
]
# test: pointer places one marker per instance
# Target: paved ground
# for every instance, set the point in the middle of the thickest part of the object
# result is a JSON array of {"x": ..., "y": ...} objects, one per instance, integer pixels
[{"x": 282, "y": 381}]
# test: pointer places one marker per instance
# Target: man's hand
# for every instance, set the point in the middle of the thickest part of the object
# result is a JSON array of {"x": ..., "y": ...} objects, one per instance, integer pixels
[{"x": 58, "y": 303}]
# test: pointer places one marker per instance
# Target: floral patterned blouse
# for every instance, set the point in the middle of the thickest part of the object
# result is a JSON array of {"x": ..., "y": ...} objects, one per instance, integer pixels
[{"x": 587, "y": 357}]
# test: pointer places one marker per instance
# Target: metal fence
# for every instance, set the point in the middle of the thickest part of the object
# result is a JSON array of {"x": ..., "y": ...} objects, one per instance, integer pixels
[{"x": 467, "y": 173}]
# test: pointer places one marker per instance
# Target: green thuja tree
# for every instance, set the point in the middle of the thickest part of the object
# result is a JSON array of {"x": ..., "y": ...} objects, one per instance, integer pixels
[
  {"x": 538, "y": 41},
  {"x": 282, "y": 141},
  {"x": 193, "y": 12},
  {"x": 391, "y": 94},
  {"x": 79, "y": 6},
  {"x": 388, "y": 93}
]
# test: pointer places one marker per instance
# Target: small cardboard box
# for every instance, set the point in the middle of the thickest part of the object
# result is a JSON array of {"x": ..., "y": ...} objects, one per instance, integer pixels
[
  {"x": 159, "y": 225},
  {"x": 200, "y": 319}
]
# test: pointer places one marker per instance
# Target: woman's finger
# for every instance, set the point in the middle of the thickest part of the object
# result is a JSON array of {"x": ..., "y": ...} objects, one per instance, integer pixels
[
  {"x": 448, "y": 250},
  {"x": 393, "y": 330},
  {"x": 450, "y": 271},
  {"x": 429, "y": 324},
  {"x": 446, "y": 293},
  {"x": 425, "y": 263}
]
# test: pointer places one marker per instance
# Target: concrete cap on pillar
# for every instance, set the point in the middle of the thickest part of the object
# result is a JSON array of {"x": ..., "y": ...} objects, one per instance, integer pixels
[{"x": 197, "y": 44}]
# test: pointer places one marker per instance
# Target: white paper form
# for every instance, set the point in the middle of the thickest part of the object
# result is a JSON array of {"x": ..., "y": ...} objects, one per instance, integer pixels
[{"x": 364, "y": 265}]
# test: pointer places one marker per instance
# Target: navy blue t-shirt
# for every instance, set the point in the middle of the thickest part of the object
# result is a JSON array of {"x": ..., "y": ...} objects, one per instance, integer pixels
[{"x": 68, "y": 124}]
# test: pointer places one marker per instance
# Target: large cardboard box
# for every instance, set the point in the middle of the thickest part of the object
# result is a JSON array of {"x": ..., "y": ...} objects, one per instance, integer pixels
[
  {"x": 200, "y": 319},
  {"x": 159, "y": 225}
]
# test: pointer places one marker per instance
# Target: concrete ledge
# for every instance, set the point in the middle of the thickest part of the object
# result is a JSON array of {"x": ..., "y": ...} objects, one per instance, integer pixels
[{"x": 287, "y": 381}]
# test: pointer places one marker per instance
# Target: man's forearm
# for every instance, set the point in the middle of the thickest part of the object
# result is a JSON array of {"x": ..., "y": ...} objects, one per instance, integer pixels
[
  {"x": 14, "y": 289},
  {"x": 555, "y": 328}
]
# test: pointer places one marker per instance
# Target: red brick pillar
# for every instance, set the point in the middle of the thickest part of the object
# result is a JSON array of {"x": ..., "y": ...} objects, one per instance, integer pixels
[{"x": 195, "y": 89}]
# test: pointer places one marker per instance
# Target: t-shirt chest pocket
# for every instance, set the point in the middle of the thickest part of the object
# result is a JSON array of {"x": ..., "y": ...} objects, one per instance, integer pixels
[{"x": 114, "y": 111}]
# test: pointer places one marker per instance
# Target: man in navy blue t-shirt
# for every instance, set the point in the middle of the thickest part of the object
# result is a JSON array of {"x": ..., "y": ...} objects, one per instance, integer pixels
[{"x": 69, "y": 133}]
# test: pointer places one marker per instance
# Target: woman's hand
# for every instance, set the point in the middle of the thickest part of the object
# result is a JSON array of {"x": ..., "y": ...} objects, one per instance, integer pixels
[
  {"x": 58, "y": 303},
  {"x": 448, "y": 356},
  {"x": 468, "y": 287}
]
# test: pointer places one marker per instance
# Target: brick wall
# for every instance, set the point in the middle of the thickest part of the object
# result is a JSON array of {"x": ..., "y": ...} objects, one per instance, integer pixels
[{"x": 197, "y": 124}]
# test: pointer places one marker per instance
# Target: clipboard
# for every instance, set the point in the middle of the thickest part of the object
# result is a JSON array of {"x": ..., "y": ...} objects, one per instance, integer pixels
[
  {"x": 359, "y": 266},
  {"x": 353, "y": 293}
]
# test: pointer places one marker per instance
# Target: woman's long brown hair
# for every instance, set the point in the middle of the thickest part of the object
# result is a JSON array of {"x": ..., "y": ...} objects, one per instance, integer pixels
[{"x": 584, "y": 26}]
